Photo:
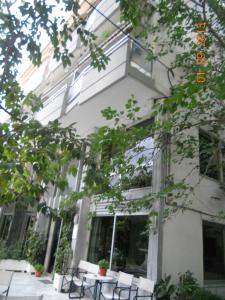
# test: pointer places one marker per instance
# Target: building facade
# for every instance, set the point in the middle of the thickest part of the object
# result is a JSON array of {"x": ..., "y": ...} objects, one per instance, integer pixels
[{"x": 191, "y": 239}]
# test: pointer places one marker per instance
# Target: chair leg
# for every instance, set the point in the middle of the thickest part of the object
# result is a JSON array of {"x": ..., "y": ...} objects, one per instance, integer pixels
[{"x": 81, "y": 294}]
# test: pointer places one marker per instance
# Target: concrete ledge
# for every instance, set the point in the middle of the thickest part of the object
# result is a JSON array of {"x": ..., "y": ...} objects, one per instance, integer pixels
[{"x": 16, "y": 265}]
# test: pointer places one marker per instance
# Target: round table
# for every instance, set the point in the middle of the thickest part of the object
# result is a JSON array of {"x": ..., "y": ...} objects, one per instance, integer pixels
[{"x": 98, "y": 279}]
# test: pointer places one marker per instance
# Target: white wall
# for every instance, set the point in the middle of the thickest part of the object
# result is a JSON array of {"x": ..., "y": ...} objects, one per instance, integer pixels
[{"x": 183, "y": 245}]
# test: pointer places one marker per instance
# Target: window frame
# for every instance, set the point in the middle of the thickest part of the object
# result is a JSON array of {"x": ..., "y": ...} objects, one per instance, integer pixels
[
  {"x": 113, "y": 238},
  {"x": 110, "y": 151}
]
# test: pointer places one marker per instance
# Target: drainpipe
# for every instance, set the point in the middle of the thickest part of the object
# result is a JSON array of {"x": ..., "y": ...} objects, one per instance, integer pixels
[{"x": 163, "y": 168}]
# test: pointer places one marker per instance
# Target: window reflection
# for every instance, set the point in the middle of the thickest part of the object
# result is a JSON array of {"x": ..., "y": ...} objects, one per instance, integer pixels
[
  {"x": 140, "y": 159},
  {"x": 213, "y": 248},
  {"x": 101, "y": 239},
  {"x": 130, "y": 246}
]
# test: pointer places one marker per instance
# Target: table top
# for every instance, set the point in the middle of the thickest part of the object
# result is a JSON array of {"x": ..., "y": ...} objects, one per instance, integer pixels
[{"x": 98, "y": 277}]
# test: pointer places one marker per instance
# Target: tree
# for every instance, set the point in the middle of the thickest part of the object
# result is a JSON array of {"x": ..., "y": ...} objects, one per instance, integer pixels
[
  {"x": 192, "y": 32},
  {"x": 190, "y": 37},
  {"x": 32, "y": 156}
]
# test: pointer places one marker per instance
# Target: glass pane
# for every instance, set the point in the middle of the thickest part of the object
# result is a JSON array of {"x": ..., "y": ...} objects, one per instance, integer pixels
[
  {"x": 131, "y": 245},
  {"x": 213, "y": 248},
  {"x": 208, "y": 156},
  {"x": 140, "y": 158},
  {"x": 101, "y": 239},
  {"x": 138, "y": 59}
]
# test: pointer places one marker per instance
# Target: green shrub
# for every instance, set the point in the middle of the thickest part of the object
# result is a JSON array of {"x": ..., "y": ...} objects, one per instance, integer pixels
[
  {"x": 163, "y": 288},
  {"x": 202, "y": 294},
  {"x": 11, "y": 251},
  {"x": 188, "y": 284},
  {"x": 64, "y": 251},
  {"x": 35, "y": 247}
]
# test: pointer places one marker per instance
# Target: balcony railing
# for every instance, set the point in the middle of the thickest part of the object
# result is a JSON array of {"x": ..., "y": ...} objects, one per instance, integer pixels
[{"x": 122, "y": 53}]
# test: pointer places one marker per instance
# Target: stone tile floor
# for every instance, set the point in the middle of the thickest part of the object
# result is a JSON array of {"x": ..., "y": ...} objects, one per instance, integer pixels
[{"x": 24, "y": 284}]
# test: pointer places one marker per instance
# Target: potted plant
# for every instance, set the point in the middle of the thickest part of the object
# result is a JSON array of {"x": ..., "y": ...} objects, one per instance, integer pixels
[
  {"x": 39, "y": 268},
  {"x": 163, "y": 289},
  {"x": 103, "y": 266},
  {"x": 62, "y": 257}
]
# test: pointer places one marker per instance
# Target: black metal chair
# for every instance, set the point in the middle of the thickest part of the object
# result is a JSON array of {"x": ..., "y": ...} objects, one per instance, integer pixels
[
  {"x": 146, "y": 286},
  {"x": 122, "y": 288},
  {"x": 78, "y": 282}
]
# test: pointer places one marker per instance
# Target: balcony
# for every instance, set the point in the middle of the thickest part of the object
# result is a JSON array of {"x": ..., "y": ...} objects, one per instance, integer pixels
[
  {"x": 52, "y": 106},
  {"x": 81, "y": 99},
  {"x": 127, "y": 73},
  {"x": 127, "y": 58}
]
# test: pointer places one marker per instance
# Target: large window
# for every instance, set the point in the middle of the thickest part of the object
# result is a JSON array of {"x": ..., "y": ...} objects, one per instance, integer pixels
[
  {"x": 123, "y": 240},
  {"x": 213, "y": 251}
]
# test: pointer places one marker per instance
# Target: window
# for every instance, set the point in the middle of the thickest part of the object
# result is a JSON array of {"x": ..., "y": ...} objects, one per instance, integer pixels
[
  {"x": 209, "y": 156},
  {"x": 213, "y": 251},
  {"x": 101, "y": 239},
  {"x": 138, "y": 161},
  {"x": 5, "y": 228},
  {"x": 123, "y": 240}
]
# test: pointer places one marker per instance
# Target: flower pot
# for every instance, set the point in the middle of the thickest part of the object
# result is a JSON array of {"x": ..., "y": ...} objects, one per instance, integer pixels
[
  {"x": 102, "y": 272},
  {"x": 38, "y": 274}
]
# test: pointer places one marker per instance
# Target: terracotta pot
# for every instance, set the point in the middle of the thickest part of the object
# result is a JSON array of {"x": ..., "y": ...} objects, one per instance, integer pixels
[
  {"x": 102, "y": 272},
  {"x": 38, "y": 274}
]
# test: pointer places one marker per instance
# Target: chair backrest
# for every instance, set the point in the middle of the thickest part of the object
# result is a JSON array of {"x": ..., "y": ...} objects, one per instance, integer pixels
[
  {"x": 92, "y": 268},
  {"x": 146, "y": 284},
  {"x": 125, "y": 278},
  {"x": 83, "y": 265},
  {"x": 112, "y": 274},
  {"x": 5, "y": 277},
  {"x": 21, "y": 297}
]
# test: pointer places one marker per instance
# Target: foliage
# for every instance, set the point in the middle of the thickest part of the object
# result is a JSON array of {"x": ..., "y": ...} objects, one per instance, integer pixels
[
  {"x": 187, "y": 287},
  {"x": 203, "y": 294},
  {"x": 105, "y": 35},
  {"x": 126, "y": 162},
  {"x": 64, "y": 251},
  {"x": 11, "y": 251},
  {"x": 27, "y": 146},
  {"x": 103, "y": 264},
  {"x": 163, "y": 288},
  {"x": 180, "y": 32},
  {"x": 35, "y": 247},
  {"x": 39, "y": 268}
]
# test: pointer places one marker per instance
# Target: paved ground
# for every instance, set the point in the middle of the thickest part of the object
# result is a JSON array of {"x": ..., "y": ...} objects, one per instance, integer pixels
[{"x": 24, "y": 284}]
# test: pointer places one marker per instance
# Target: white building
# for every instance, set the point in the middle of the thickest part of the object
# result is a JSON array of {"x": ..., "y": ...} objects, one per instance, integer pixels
[{"x": 190, "y": 240}]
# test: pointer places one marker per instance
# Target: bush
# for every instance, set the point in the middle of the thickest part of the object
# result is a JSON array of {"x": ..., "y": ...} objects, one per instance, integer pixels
[
  {"x": 202, "y": 294},
  {"x": 35, "y": 247},
  {"x": 64, "y": 250},
  {"x": 188, "y": 284},
  {"x": 11, "y": 252}
]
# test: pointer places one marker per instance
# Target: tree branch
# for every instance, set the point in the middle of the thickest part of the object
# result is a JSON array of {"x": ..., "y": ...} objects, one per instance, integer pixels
[{"x": 216, "y": 35}]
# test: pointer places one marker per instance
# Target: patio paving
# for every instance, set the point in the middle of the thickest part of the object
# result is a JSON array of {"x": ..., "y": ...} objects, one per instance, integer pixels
[{"x": 24, "y": 284}]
